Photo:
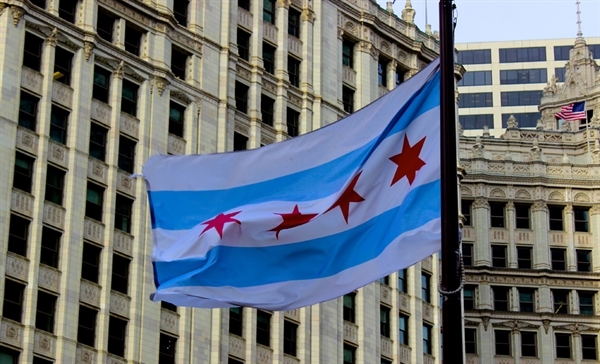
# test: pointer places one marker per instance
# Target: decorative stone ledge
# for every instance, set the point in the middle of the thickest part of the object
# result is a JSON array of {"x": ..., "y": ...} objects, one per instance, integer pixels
[
  {"x": 427, "y": 264},
  {"x": 125, "y": 183},
  {"x": 119, "y": 304},
  {"x": 89, "y": 293},
  {"x": 44, "y": 343},
  {"x": 383, "y": 90},
  {"x": 129, "y": 125},
  {"x": 498, "y": 235},
  {"x": 11, "y": 333},
  {"x": 270, "y": 32},
  {"x": 504, "y": 360},
  {"x": 468, "y": 234},
  {"x": 93, "y": 231},
  {"x": 557, "y": 238},
  {"x": 522, "y": 237},
  {"x": 97, "y": 170},
  {"x": 54, "y": 215},
  {"x": 62, "y": 94},
  {"x": 17, "y": 266},
  {"x": 264, "y": 355},
  {"x": 288, "y": 359},
  {"x": 32, "y": 80},
  {"x": 237, "y": 346},
  {"x": 531, "y": 361},
  {"x": 292, "y": 314},
  {"x": 387, "y": 347},
  {"x": 123, "y": 242},
  {"x": 85, "y": 355},
  {"x": 268, "y": 135},
  {"x": 169, "y": 321},
  {"x": 472, "y": 359},
  {"x": 27, "y": 140},
  {"x": 245, "y": 19},
  {"x": 21, "y": 202},
  {"x": 295, "y": 46},
  {"x": 349, "y": 76},
  {"x": 101, "y": 112},
  {"x": 57, "y": 153},
  {"x": 385, "y": 294},
  {"x": 427, "y": 312},
  {"x": 582, "y": 240},
  {"x": 113, "y": 359},
  {"x": 403, "y": 301},
  {"x": 404, "y": 353},
  {"x": 176, "y": 145},
  {"x": 428, "y": 359},
  {"x": 49, "y": 278},
  {"x": 350, "y": 332}
]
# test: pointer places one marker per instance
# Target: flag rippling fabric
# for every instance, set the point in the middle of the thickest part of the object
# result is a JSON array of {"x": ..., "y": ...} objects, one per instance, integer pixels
[
  {"x": 303, "y": 221},
  {"x": 574, "y": 111}
]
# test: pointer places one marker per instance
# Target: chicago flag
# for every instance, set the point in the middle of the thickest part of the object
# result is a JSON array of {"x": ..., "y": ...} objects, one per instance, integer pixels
[{"x": 306, "y": 220}]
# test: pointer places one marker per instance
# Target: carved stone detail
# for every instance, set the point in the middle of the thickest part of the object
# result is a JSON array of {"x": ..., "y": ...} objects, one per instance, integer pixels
[
  {"x": 32, "y": 80},
  {"x": 21, "y": 202},
  {"x": 93, "y": 231},
  {"x": 90, "y": 293},
  {"x": 176, "y": 145},
  {"x": 58, "y": 153},
  {"x": 62, "y": 94},
  {"x": 123, "y": 242},
  {"x": 11, "y": 333},
  {"x": 160, "y": 83},
  {"x": 480, "y": 203},
  {"x": 129, "y": 125},
  {"x": 119, "y": 304},
  {"x": 385, "y": 294},
  {"x": 237, "y": 346},
  {"x": 101, "y": 112},
  {"x": 180, "y": 96},
  {"x": 350, "y": 332},
  {"x": 169, "y": 321},
  {"x": 387, "y": 346},
  {"x": 97, "y": 170},
  {"x": 17, "y": 266},
  {"x": 44, "y": 343},
  {"x": 427, "y": 312},
  {"x": 54, "y": 215},
  {"x": 17, "y": 14},
  {"x": 85, "y": 355},
  {"x": 88, "y": 47},
  {"x": 49, "y": 278},
  {"x": 125, "y": 183},
  {"x": 27, "y": 140},
  {"x": 264, "y": 355}
]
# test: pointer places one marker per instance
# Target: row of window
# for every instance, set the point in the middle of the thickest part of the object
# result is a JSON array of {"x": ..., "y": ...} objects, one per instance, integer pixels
[
  {"x": 510, "y": 98},
  {"x": 507, "y": 77},
  {"x": 269, "y": 12},
  {"x": 525, "y": 120},
  {"x": 510, "y": 55}
]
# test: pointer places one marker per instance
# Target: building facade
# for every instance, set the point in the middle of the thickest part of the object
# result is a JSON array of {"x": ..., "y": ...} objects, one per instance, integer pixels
[{"x": 90, "y": 89}]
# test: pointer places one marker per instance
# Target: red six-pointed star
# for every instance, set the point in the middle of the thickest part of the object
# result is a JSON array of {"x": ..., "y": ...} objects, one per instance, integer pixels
[
  {"x": 347, "y": 197},
  {"x": 219, "y": 221},
  {"x": 291, "y": 220},
  {"x": 408, "y": 161}
]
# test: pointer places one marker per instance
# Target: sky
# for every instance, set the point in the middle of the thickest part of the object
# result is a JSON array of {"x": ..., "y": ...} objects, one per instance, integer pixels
[{"x": 494, "y": 20}]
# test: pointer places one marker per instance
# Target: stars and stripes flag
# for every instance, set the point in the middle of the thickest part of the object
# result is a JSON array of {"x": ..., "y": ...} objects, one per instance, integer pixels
[
  {"x": 306, "y": 220},
  {"x": 574, "y": 111}
]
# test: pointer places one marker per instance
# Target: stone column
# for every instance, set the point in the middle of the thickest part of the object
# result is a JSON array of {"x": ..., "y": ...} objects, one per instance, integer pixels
[
  {"x": 544, "y": 299},
  {"x": 391, "y": 74},
  {"x": 570, "y": 234},
  {"x": 481, "y": 223},
  {"x": 484, "y": 297},
  {"x": 281, "y": 73},
  {"x": 595, "y": 237},
  {"x": 539, "y": 224},
  {"x": 366, "y": 72},
  {"x": 516, "y": 344},
  {"x": 513, "y": 299},
  {"x": 574, "y": 302},
  {"x": 306, "y": 70},
  {"x": 510, "y": 224},
  {"x": 576, "y": 346}
]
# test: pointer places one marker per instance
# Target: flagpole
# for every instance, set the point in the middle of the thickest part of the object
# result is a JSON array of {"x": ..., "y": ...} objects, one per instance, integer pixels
[{"x": 452, "y": 321}]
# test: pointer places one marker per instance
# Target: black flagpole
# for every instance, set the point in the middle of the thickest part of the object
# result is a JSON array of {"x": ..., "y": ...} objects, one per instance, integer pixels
[{"x": 452, "y": 321}]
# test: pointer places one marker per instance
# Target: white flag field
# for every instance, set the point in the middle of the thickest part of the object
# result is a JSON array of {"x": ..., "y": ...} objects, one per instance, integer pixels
[{"x": 306, "y": 220}]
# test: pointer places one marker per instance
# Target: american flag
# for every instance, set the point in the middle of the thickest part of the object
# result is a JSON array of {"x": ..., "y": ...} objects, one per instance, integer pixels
[{"x": 574, "y": 111}]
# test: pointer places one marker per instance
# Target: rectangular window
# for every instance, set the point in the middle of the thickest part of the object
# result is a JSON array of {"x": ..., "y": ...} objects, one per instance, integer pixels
[
  {"x": 347, "y": 53},
  {"x": 98, "y": 141},
  {"x": 176, "y": 118},
  {"x": 168, "y": 306},
  {"x": 584, "y": 260},
  {"x": 586, "y": 303},
  {"x": 524, "y": 254},
  {"x": 483, "y": 56},
  {"x": 236, "y": 319},
  {"x": 563, "y": 345},
  {"x": 557, "y": 255},
  {"x": 425, "y": 287},
  {"x": 293, "y": 122},
  {"x": 480, "y": 99},
  {"x": 522, "y": 216},
  {"x": 470, "y": 122},
  {"x": 55, "y": 179},
  {"x": 133, "y": 38},
  {"x": 402, "y": 280},
  {"x": 17, "y": 235},
  {"x": 39, "y": 3},
  {"x": 470, "y": 340},
  {"x": 561, "y": 53},
  {"x": 465, "y": 209},
  {"x": 180, "y": 11},
  {"x": 12, "y": 307},
  {"x": 385, "y": 280},
  {"x": 44, "y": 315},
  {"x": 126, "y": 154},
  {"x": 581, "y": 216},
  {"x": 243, "y": 43},
  {"x": 294, "y": 23},
  {"x": 244, "y": 4},
  {"x": 560, "y": 74},
  {"x": 267, "y": 106},
  {"x": 520, "y": 98},
  {"x": 399, "y": 75},
  {"x": 290, "y": 337},
  {"x": 123, "y": 213},
  {"x": 403, "y": 329},
  {"x": 382, "y": 72},
  {"x": 241, "y": 97},
  {"x": 269, "y": 58},
  {"x": 500, "y": 298},
  {"x": 384, "y": 321},
  {"x": 269, "y": 11},
  {"x": 589, "y": 349},
  {"x": 167, "y": 345},
  {"x": 62, "y": 65},
  {"x": 94, "y": 201},
  {"x": 525, "y": 119},
  {"x": 32, "y": 57},
  {"x": 427, "y": 339},
  {"x": 28, "y": 105},
  {"x": 23, "y": 176},
  {"x": 263, "y": 328},
  {"x": 555, "y": 215},
  {"x": 467, "y": 254},
  {"x": 533, "y": 54},
  {"x": 294, "y": 71},
  {"x": 497, "y": 213},
  {"x": 240, "y": 142},
  {"x": 101, "y": 84},
  {"x": 499, "y": 256},
  {"x": 234, "y": 361},
  {"x": 116, "y": 336},
  {"x": 385, "y": 361},
  {"x": 528, "y": 343},
  {"x": 50, "y": 247},
  {"x": 105, "y": 25},
  {"x": 90, "y": 262},
  {"x": 350, "y": 307},
  {"x": 348, "y": 99},
  {"x": 86, "y": 327},
  {"x": 349, "y": 354},
  {"x": 560, "y": 300},
  {"x": 129, "y": 96},
  {"x": 58, "y": 124},
  {"x": 179, "y": 62},
  {"x": 120, "y": 274},
  {"x": 469, "y": 297},
  {"x": 476, "y": 78},
  {"x": 526, "y": 300},
  {"x": 67, "y": 10},
  {"x": 514, "y": 77},
  {"x": 502, "y": 338}
]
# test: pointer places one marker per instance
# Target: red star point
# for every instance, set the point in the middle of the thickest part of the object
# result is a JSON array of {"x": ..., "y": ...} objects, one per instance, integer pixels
[
  {"x": 292, "y": 220},
  {"x": 219, "y": 222},
  {"x": 408, "y": 161},
  {"x": 348, "y": 196}
]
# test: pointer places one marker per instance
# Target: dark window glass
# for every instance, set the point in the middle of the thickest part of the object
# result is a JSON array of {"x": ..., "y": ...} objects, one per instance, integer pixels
[
  {"x": 522, "y": 216},
  {"x": 595, "y": 49},
  {"x": 526, "y": 300},
  {"x": 32, "y": 56},
  {"x": 58, "y": 124},
  {"x": 269, "y": 58},
  {"x": 176, "y": 118},
  {"x": 561, "y": 301},
  {"x": 120, "y": 274},
  {"x": 38, "y": 360},
  {"x": 98, "y": 141},
  {"x": 402, "y": 280},
  {"x": 94, "y": 201},
  {"x": 586, "y": 303},
  {"x": 293, "y": 122},
  {"x": 86, "y": 330},
  {"x": 479, "y": 99},
  {"x": 465, "y": 209},
  {"x": 347, "y": 53},
  {"x": 244, "y": 4},
  {"x": 469, "y": 297},
  {"x": 348, "y": 99},
  {"x": 384, "y": 321},
  {"x": 105, "y": 24},
  {"x": 476, "y": 78},
  {"x": 560, "y": 74},
  {"x": 294, "y": 22},
  {"x": 123, "y": 213},
  {"x": 50, "y": 247},
  {"x": 269, "y": 11},
  {"x": 525, "y": 119},
  {"x": 589, "y": 349},
  {"x": 168, "y": 306},
  {"x": 263, "y": 328},
  {"x": 67, "y": 10},
  {"x": 290, "y": 338},
  {"x": 403, "y": 329},
  {"x": 385, "y": 361},
  {"x": 483, "y": 56},
  {"x": 470, "y": 122},
  {"x": 28, "y": 110},
  {"x": 17, "y": 235},
  {"x": 470, "y": 340},
  {"x": 467, "y": 254},
  {"x": 129, "y": 96},
  {"x": 243, "y": 43},
  {"x": 133, "y": 37},
  {"x": 241, "y": 97},
  {"x": 561, "y": 53},
  {"x": 557, "y": 256},
  {"x": 514, "y": 77},
  {"x": 581, "y": 216},
  {"x": 425, "y": 287},
  {"x": 126, "y": 154},
  {"x": 399, "y": 75},
  {"x": 563, "y": 345},
  {"x": 236, "y": 318},
  {"x": 240, "y": 142},
  {"x": 39, "y": 3},
  {"x": 499, "y": 256},
  {"x": 54, "y": 185},
  {"x": 349, "y": 354},
  {"x": 101, "y": 84},
  {"x": 500, "y": 298},
  {"x": 427, "y": 339},
  {"x": 555, "y": 215},
  {"x": 267, "y": 109},
  {"x": 382, "y": 72},
  {"x": 44, "y": 315},
  {"x": 524, "y": 257},
  {"x": 90, "y": 262},
  {"x": 520, "y": 98},
  {"x": 294, "y": 71},
  {"x": 116, "y": 336},
  {"x": 502, "y": 338},
  {"x": 528, "y": 343},
  {"x": 62, "y": 65},
  {"x": 178, "y": 62},
  {"x": 23, "y": 176},
  {"x": 167, "y": 346},
  {"x": 385, "y": 280},
  {"x": 350, "y": 307},
  {"x": 584, "y": 260},
  {"x": 13, "y": 300},
  {"x": 234, "y": 361},
  {"x": 180, "y": 11},
  {"x": 497, "y": 214},
  {"x": 533, "y": 54}
]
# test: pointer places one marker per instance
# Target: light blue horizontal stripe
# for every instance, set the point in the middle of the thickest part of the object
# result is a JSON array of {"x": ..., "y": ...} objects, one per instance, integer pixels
[
  {"x": 182, "y": 210},
  {"x": 317, "y": 258}
]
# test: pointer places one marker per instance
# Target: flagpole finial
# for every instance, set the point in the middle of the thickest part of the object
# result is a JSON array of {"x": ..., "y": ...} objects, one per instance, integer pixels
[{"x": 579, "y": 32}]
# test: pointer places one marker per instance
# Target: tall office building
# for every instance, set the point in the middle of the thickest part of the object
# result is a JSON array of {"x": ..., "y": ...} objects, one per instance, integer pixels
[{"x": 90, "y": 89}]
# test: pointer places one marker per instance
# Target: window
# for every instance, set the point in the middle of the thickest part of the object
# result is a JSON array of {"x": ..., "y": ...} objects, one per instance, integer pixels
[
  {"x": 533, "y": 54},
  {"x": 266, "y": 109},
  {"x": 555, "y": 214},
  {"x": 500, "y": 298},
  {"x": 384, "y": 321},
  {"x": 526, "y": 300},
  {"x": 28, "y": 110},
  {"x": 44, "y": 315},
  {"x": 469, "y": 297},
  {"x": 98, "y": 141},
  {"x": 62, "y": 65},
  {"x": 176, "y": 118},
  {"x": 557, "y": 255},
  {"x": 528, "y": 343},
  {"x": 244, "y": 4},
  {"x": 425, "y": 287},
  {"x": 116, "y": 336},
  {"x": 476, "y": 78},
  {"x": 499, "y": 256},
  {"x": 86, "y": 329},
  {"x": 502, "y": 342},
  {"x": 403, "y": 329},
  {"x": 39, "y": 3},
  {"x": 236, "y": 319},
  {"x": 402, "y": 280},
  {"x": 167, "y": 347},
  {"x": 348, "y": 99},
  {"x": 581, "y": 216},
  {"x": 240, "y": 142},
  {"x": 120, "y": 274},
  {"x": 133, "y": 37},
  {"x": 13, "y": 300},
  {"x": 105, "y": 24},
  {"x": 54, "y": 185},
  {"x": 520, "y": 98},
  {"x": 483, "y": 56},
  {"x": 263, "y": 328},
  {"x": 584, "y": 260},
  {"x": 350, "y": 307},
  {"x": 588, "y": 347},
  {"x": 269, "y": 11},
  {"x": 294, "y": 71},
  {"x": 243, "y": 43},
  {"x": 385, "y": 361},
  {"x": 58, "y": 124},
  {"x": 94, "y": 200},
  {"x": 470, "y": 340},
  {"x": 67, "y": 10},
  {"x": 525, "y": 119},
  {"x": 269, "y": 58},
  {"x": 382, "y": 72},
  {"x": 290, "y": 337},
  {"x": 126, "y": 154},
  {"x": 129, "y": 97},
  {"x": 347, "y": 53},
  {"x": 123, "y": 213},
  {"x": 497, "y": 214},
  {"x": 168, "y": 306},
  {"x": 90, "y": 262},
  {"x": 522, "y": 216},
  {"x": 38, "y": 360},
  {"x": 23, "y": 176},
  {"x": 385, "y": 280},
  {"x": 50, "y": 247},
  {"x": 294, "y": 23},
  {"x": 560, "y": 74},
  {"x": 241, "y": 97},
  {"x": 561, "y": 301},
  {"x": 470, "y": 122},
  {"x": 524, "y": 257},
  {"x": 180, "y": 11},
  {"x": 563, "y": 345},
  {"x": 234, "y": 361},
  {"x": 586, "y": 303},
  {"x": 32, "y": 56},
  {"x": 9, "y": 356},
  {"x": 480, "y": 99},
  {"x": 466, "y": 210},
  {"x": 292, "y": 120},
  {"x": 178, "y": 62},
  {"x": 399, "y": 75},
  {"x": 101, "y": 84},
  {"x": 513, "y": 77},
  {"x": 349, "y": 354},
  {"x": 17, "y": 235},
  {"x": 427, "y": 339},
  {"x": 561, "y": 53}
]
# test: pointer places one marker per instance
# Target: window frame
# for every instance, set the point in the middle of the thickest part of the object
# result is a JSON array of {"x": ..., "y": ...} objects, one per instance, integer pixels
[
  {"x": 94, "y": 210},
  {"x": 581, "y": 223},
  {"x": 348, "y": 53},
  {"x": 349, "y": 354},
  {"x": 59, "y": 123},
  {"x": 12, "y": 307},
  {"x": 243, "y": 43},
  {"x": 55, "y": 183},
  {"x": 267, "y": 109},
  {"x": 236, "y": 321},
  {"x": 589, "y": 352},
  {"x": 133, "y": 38},
  {"x": 179, "y": 59},
  {"x": 269, "y": 11},
  {"x": 268, "y": 56},
  {"x": 526, "y": 300},
  {"x": 466, "y": 209},
  {"x": 129, "y": 105},
  {"x": 499, "y": 261},
  {"x": 292, "y": 121},
  {"x": 384, "y": 321},
  {"x": 503, "y": 347},
  {"x": 240, "y": 142},
  {"x": 123, "y": 213},
  {"x": 523, "y": 216},
  {"x": 497, "y": 220},
  {"x": 63, "y": 63},
  {"x": 18, "y": 235},
  {"x": 557, "y": 302},
  {"x": 263, "y": 328},
  {"x": 529, "y": 348},
  {"x": 67, "y": 10},
  {"x": 349, "y": 307},
  {"x": 425, "y": 287},
  {"x": 467, "y": 254},
  {"x": 167, "y": 348},
  {"x": 562, "y": 348},
  {"x": 117, "y": 334},
  {"x": 28, "y": 118},
  {"x": 382, "y": 65},
  {"x": 119, "y": 281},
  {"x": 470, "y": 340},
  {"x": 86, "y": 325},
  {"x": 403, "y": 280},
  {"x": 348, "y": 99},
  {"x": 403, "y": 329},
  {"x": 524, "y": 262},
  {"x": 90, "y": 270},
  {"x": 101, "y": 92},
  {"x": 501, "y": 298},
  {"x": 32, "y": 51},
  {"x": 45, "y": 311},
  {"x": 294, "y": 22},
  {"x": 105, "y": 24},
  {"x": 427, "y": 339},
  {"x": 23, "y": 172},
  {"x": 586, "y": 308},
  {"x": 126, "y": 160},
  {"x": 50, "y": 247},
  {"x": 584, "y": 265},
  {"x": 180, "y": 13},
  {"x": 241, "y": 97},
  {"x": 98, "y": 139},
  {"x": 294, "y": 71},
  {"x": 290, "y": 338},
  {"x": 469, "y": 300},
  {"x": 555, "y": 264}
]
